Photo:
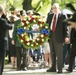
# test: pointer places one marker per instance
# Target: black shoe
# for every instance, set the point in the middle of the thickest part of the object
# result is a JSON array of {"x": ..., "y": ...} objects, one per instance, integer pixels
[
  {"x": 24, "y": 69},
  {"x": 51, "y": 70},
  {"x": 68, "y": 70},
  {"x": 60, "y": 71},
  {"x": 18, "y": 69}
]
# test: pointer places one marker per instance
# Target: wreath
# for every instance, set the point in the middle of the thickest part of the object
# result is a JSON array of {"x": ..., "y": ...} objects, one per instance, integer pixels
[{"x": 33, "y": 32}]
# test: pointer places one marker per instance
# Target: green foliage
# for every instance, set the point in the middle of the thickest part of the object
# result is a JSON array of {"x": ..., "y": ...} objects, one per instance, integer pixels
[
  {"x": 43, "y": 7},
  {"x": 16, "y": 4},
  {"x": 34, "y": 3}
]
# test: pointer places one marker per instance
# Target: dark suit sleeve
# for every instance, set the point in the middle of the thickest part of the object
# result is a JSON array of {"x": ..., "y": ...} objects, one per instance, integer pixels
[
  {"x": 6, "y": 24},
  {"x": 47, "y": 20},
  {"x": 65, "y": 27},
  {"x": 72, "y": 35}
]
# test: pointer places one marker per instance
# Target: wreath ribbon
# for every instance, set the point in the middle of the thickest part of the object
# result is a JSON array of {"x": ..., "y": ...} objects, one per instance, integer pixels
[{"x": 21, "y": 30}]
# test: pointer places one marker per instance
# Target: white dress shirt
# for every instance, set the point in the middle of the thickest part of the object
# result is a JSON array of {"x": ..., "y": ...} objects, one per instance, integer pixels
[{"x": 52, "y": 21}]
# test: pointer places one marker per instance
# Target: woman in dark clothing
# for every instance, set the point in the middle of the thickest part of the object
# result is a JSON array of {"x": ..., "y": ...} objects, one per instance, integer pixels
[{"x": 12, "y": 48}]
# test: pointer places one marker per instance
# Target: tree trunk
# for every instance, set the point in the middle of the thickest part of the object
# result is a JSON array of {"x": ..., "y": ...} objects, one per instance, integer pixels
[
  {"x": 27, "y": 5},
  {"x": 53, "y": 1}
]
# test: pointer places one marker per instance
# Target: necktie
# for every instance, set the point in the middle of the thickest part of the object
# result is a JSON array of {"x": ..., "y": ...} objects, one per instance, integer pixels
[{"x": 54, "y": 22}]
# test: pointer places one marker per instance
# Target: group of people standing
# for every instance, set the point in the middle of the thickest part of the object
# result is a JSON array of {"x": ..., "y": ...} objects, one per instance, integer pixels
[{"x": 57, "y": 38}]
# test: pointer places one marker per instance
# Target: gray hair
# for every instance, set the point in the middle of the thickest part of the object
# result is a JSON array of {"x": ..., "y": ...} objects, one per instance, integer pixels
[{"x": 57, "y": 5}]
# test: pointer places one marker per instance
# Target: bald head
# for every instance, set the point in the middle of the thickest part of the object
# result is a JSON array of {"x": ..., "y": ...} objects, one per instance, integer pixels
[{"x": 1, "y": 9}]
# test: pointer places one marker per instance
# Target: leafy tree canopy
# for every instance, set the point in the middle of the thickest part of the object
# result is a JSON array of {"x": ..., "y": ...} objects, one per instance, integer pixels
[{"x": 41, "y": 6}]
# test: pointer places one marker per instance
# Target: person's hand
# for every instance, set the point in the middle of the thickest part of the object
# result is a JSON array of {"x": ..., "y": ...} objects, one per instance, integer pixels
[
  {"x": 12, "y": 42},
  {"x": 67, "y": 40},
  {"x": 73, "y": 24}
]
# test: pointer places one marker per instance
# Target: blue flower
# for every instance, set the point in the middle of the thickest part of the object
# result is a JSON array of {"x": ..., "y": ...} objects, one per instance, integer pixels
[
  {"x": 45, "y": 31},
  {"x": 20, "y": 31}
]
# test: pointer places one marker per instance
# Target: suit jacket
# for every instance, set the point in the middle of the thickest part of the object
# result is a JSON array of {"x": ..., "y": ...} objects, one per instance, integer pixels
[
  {"x": 61, "y": 28},
  {"x": 3, "y": 27},
  {"x": 14, "y": 36},
  {"x": 73, "y": 35},
  {"x": 7, "y": 33}
]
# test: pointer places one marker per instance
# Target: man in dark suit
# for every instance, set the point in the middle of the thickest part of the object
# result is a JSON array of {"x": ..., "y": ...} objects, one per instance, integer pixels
[
  {"x": 57, "y": 37},
  {"x": 73, "y": 49},
  {"x": 3, "y": 27}
]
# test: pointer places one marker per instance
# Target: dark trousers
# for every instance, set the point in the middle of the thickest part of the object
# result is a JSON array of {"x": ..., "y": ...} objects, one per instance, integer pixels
[
  {"x": 66, "y": 52},
  {"x": 2, "y": 57},
  {"x": 21, "y": 54},
  {"x": 72, "y": 55},
  {"x": 56, "y": 52}
]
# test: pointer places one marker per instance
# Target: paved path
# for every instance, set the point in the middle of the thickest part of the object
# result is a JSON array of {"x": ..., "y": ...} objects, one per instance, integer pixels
[{"x": 9, "y": 71}]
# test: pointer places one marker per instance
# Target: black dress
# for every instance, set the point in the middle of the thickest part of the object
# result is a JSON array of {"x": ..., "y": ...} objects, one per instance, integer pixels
[{"x": 12, "y": 49}]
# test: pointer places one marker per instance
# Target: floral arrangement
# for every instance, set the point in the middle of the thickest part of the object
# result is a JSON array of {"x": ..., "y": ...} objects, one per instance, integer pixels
[{"x": 38, "y": 26}]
